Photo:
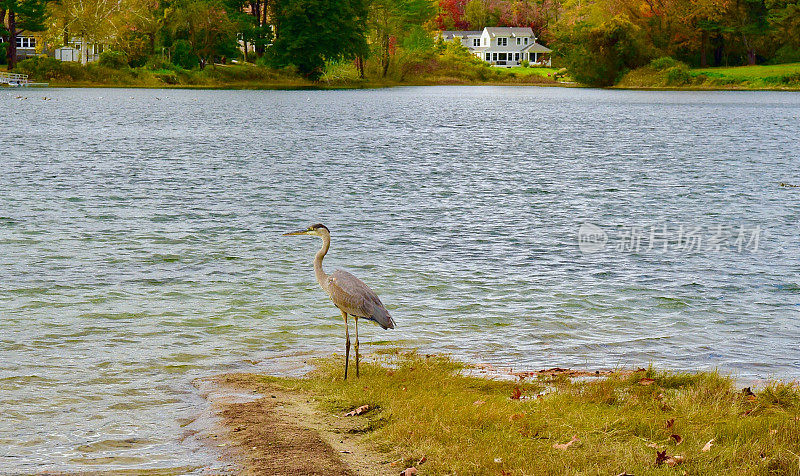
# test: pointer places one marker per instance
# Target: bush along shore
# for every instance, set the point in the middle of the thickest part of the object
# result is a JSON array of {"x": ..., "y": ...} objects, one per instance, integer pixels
[
  {"x": 449, "y": 66},
  {"x": 429, "y": 414}
]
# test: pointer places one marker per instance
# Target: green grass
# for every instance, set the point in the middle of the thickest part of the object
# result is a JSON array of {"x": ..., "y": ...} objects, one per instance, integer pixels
[
  {"x": 520, "y": 71},
  {"x": 751, "y": 72},
  {"x": 430, "y": 406},
  {"x": 780, "y": 76}
]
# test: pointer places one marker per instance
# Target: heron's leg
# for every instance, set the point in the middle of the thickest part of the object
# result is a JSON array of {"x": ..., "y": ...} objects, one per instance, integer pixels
[
  {"x": 347, "y": 345},
  {"x": 356, "y": 319}
]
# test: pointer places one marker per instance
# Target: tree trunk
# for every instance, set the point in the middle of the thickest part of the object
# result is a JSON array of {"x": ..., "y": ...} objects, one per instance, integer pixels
[
  {"x": 703, "y": 49},
  {"x": 360, "y": 66},
  {"x": 751, "y": 52},
  {"x": 84, "y": 51},
  {"x": 12, "y": 40},
  {"x": 385, "y": 54}
]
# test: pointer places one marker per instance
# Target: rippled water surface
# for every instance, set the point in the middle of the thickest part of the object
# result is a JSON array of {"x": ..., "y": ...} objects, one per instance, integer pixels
[{"x": 141, "y": 247}]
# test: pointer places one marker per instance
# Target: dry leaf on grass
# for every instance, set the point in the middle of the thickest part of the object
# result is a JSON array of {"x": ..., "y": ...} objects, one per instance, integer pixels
[
  {"x": 675, "y": 460},
  {"x": 478, "y": 402},
  {"x": 678, "y": 439},
  {"x": 651, "y": 445},
  {"x": 422, "y": 460},
  {"x": 516, "y": 393},
  {"x": 358, "y": 411},
  {"x": 670, "y": 423},
  {"x": 409, "y": 472},
  {"x": 564, "y": 446},
  {"x": 661, "y": 457},
  {"x": 646, "y": 381},
  {"x": 707, "y": 447}
]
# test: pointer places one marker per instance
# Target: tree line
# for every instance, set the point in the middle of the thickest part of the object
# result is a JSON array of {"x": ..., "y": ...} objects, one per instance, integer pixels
[{"x": 596, "y": 39}]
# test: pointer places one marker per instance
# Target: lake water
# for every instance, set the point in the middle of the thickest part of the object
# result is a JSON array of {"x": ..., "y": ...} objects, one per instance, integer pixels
[{"x": 141, "y": 247}]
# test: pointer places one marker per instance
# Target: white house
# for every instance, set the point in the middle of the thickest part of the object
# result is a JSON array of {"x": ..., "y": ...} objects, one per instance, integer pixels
[{"x": 505, "y": 46}]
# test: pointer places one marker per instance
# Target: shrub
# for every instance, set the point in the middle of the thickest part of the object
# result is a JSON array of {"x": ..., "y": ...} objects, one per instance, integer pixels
[
  {"x": 678, "y": 75},
  {"x": 665, "y": 62},
  {"x": 183, "y": 55},
  {"x": 159, "y": 63},
  {"x": 113, "y": 59},
  {"x": 524, "y": 63},
  {"x": 786, "y": 54},
  {"x": 43, "y": 68},
  {"x": 791, "y": 78},
  {"x": 3, "y": 59}
]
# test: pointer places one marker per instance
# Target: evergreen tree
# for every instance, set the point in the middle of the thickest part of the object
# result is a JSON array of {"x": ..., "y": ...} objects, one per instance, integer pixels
[
  {"x": 310, "y": 32},
  {"x": 19, "y": 15}
]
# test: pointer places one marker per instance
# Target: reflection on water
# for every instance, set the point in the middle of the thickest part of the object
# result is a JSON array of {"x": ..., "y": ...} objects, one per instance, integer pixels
[{"x": 140, "y": 242}]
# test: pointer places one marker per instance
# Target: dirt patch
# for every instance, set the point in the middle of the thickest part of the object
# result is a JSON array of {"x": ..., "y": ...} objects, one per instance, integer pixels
[{"x": 270, "y": 430}]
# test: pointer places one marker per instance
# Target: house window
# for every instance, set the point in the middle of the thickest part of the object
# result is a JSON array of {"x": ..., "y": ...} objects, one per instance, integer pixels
[
  {"x": 494, "y": 56},
  {"x": 502, "y": 42},
  {"x": 516, "y": 56},
  {"x": 519, "y": 40},
  {"x": 502, "y": 57},
  {"x": 484, "y": 41},
  {"x": 476, "y": 42},
  {"x": 488, "y": 56},
  {"x": 526, "y": 40},
  {"x": 26, "y": 42}
]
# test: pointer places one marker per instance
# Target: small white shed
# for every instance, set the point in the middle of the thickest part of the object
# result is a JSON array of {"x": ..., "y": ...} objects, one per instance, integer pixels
[{"x": 67, "y": 53}]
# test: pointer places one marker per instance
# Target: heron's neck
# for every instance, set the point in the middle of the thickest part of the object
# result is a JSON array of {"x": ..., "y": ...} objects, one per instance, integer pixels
[{"x": 322, "y": 278}]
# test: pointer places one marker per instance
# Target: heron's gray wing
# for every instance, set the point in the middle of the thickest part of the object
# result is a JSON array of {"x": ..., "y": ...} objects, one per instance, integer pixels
[{"x": 352, "y": 296}]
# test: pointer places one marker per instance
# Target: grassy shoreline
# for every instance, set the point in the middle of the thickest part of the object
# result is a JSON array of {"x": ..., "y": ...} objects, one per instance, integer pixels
[
  {"x": 434, "y": 410},
  {"x": 668, "y": 74},
  {"x": 674, "y": 77}
]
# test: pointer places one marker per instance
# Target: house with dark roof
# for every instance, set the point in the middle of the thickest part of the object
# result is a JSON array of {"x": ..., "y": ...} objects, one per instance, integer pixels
[{"x": 503, "y": 46}]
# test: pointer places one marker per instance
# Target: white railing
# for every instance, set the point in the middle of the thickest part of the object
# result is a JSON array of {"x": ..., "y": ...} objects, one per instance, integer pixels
[{"x": 13, "y": 79}]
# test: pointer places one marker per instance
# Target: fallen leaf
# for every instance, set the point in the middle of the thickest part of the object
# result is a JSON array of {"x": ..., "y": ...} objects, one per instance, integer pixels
[
  {"x": 564, "y": 446},
  {"x": 678, "y": 439},
  {"x": 646, "y": 381},
  {"x": 498, "y": 460},
  {"x": 652, "y": 445},
  {"x": 675, "y": 460},
  {"x": 747, "y": 392},
  {"x": 358, "y": 411},
  {"x": 422, "y": 460},
  {"x": 409, "y": 472},
  {"x": 516, "y": 416},
  {"x": 670, "y": 423},
  {"x": 661, "y": 456},
  {"x": 707, "y": 447},
  {"x": 478, "y": 402},
  {"x": 516, "y": 393}
]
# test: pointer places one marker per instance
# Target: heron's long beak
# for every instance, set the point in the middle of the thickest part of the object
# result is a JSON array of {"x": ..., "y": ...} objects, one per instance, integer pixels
[{"x": 298, "y": 232}]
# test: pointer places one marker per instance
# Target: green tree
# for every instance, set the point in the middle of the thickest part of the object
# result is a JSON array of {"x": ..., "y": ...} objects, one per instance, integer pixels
[
  {"x": 600, "y": 55},
  {"x": 398, "y": 19},
  {"x": 205, "y": 25},
  {"x": 477, "y": 14},
  {"x": 310, "y": 32},
  {"x": 19, "y": 15}
]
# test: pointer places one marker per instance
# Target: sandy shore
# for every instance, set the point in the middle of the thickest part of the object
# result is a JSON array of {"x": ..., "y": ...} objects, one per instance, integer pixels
[{"x": 264, "y": 429}]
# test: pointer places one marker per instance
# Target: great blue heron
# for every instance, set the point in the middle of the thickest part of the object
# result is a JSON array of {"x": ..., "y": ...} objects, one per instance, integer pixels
[{"x": 347, "y": 292}]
